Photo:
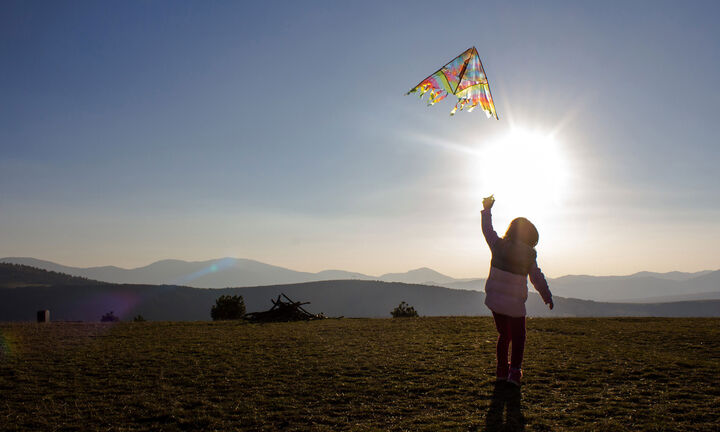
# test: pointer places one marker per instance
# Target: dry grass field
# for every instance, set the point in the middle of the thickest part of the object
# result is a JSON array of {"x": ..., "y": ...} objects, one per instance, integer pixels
[{"x": 429, "y": 374}]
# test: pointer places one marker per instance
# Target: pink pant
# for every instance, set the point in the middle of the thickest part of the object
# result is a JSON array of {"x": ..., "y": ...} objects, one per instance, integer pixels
[{"x": 511, "y": 329}]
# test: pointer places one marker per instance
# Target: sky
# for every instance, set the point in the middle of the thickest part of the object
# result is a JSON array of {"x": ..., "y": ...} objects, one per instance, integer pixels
[{"x": 280, "y": 131}]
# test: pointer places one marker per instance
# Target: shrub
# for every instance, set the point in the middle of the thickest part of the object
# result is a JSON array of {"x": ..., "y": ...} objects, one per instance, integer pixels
[
  {"x": 228, "y": 307},
  {"x": 109, "y": 317},
  {"x": 139, "y": 318},
  {"x": 404, "y": 310}
]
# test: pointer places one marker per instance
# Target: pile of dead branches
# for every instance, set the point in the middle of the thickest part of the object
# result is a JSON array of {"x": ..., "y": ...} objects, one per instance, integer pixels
[{"x": 283, "y": 311}]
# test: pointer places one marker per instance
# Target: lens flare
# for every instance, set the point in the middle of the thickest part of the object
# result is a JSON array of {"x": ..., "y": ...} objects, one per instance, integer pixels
[
  {"x": 122, "y": 303},
  {"x": 212, "y": 268}
]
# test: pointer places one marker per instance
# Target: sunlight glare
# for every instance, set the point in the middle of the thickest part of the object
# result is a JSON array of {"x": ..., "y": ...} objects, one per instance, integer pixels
[{"x": 525, "y": 170}]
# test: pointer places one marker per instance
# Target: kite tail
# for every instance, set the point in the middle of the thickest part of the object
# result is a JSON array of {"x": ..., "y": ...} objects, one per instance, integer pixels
[
  {"x": 459, "y": 105},
  {"x": 436, "y": 97},
  {"x": 424, "y": 90},
  {"x": 431, "y": 98}
]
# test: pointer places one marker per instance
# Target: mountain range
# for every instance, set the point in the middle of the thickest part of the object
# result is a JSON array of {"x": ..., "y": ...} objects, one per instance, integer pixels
[
  {"x": 642, "y": 287},
  {"x": 24, "y": 290}
]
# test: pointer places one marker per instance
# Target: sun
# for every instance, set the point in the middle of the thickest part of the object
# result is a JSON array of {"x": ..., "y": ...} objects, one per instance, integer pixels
[{"x": 525, "y": 170}]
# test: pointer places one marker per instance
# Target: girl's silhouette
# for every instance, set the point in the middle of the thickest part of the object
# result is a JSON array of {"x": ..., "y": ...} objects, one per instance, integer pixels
[{"x": 513, "y": 260}]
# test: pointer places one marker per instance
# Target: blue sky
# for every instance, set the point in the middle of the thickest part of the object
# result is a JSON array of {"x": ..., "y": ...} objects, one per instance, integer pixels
[{"x": 279, "y": 131}]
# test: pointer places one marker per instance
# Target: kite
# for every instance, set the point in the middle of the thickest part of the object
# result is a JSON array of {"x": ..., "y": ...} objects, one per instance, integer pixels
[{"x": 464, "y": 77}]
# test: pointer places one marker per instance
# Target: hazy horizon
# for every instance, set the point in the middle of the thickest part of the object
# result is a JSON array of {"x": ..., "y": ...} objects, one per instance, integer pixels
[
  {"x": 349, "y": 270},
  {"x": 138, "y": 131}
]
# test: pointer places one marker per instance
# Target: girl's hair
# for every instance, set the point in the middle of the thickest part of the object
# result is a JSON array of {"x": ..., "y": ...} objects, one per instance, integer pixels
[{"x": 522, "y": 230}]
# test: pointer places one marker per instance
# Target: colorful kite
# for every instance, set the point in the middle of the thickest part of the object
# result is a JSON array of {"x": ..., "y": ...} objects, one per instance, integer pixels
[{"x": 464, "y": 77}]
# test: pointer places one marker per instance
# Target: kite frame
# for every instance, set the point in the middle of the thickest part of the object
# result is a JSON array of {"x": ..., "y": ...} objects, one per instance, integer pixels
[
  {"x": 442, "y": 67},
  {"x": 488, "y": 84}
]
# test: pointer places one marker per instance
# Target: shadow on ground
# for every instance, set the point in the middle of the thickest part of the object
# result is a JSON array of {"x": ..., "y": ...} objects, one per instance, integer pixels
[{"x": 505, "y": 413}]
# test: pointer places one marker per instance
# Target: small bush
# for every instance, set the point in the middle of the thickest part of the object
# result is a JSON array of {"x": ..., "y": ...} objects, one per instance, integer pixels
[
  {"x": 109, "y": 317},
  {"x": 228, "y": 307},
  {"x": 404, "y": 310},
  {"x": 139, "y": 318}
]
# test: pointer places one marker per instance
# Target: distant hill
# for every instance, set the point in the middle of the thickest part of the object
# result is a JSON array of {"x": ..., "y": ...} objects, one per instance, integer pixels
[
  {"x": 219, "y": 273},
  {"x": 419, "y": 276},
  {"x": 18, "y": 276},
  {"x": 237, "y": 272},
  {"x": 470, "y": 284},
  {"x": 676, "y": 298},
  {"x": 222, "y": 273},
  {"x": 674, "y": 275},
  {"x": 84, "y": 300},
  {"x": 639, "y": 286}
]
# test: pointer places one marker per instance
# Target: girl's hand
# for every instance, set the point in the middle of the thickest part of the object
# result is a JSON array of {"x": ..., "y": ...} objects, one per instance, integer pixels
[
  {"x": 488, "y": 202},
  {"x": 551, "y": 304}
]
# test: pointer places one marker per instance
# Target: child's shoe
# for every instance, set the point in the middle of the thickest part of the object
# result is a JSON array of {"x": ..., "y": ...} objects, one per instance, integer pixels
[
  {"x": 515, "y": 376},
  {"x": 502, "y": 372}
]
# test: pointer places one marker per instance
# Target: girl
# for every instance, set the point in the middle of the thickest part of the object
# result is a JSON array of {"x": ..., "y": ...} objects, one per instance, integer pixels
[{"x": 513, "y": 259}]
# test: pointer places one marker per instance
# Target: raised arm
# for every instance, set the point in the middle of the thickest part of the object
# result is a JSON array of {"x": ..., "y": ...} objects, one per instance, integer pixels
[
  {"x": 491, "y": 236},
  {"x": 540, "y": 283},
  {"x": 487, "y": 228}
]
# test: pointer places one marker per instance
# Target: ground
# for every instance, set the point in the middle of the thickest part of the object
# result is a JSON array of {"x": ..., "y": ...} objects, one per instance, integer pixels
[{"x": 410, "y": 374}]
